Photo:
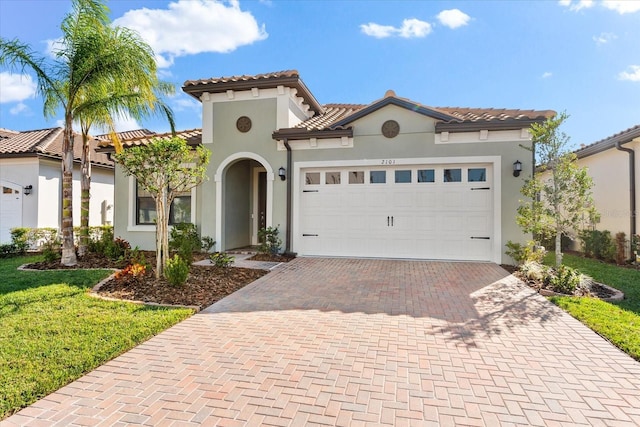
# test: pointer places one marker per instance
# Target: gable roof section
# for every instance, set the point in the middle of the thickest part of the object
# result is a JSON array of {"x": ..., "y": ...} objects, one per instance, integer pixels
[
  {"x": 129, "y": 134},
  {"x": 47, "y": 143},
  {"x": 289, "y": 78},
  {"x": 192, "y": 136},
  {"x": 609, "y": 142}
]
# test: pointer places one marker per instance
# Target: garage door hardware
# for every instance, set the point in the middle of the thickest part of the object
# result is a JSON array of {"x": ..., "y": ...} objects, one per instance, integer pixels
[
  {"x": 389, "y": 217},
  {"x": 481, "y": 188},
  {"x": 309, "y": 235},
  {"x": 309, "y": 191},
  {"x": 481, "y": 238}
]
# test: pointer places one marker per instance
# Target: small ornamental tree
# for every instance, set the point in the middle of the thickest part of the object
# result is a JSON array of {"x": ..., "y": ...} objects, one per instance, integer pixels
[
  {"x": 559, "y": 199},
  {"x": 164, "y": 168}
]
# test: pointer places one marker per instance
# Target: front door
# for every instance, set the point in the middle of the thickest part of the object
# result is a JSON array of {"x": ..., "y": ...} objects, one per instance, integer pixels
[{"x": 262, "y": 200}]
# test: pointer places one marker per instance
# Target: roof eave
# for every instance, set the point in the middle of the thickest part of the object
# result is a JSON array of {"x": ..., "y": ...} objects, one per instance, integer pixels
[
  {"x": 393, "y": 101},
  {"x": 474, "y": 126},
  {"x": 292, "y": 134},
  {"x": 220, "y": 87},
  {"x": 608, "y": 143}
]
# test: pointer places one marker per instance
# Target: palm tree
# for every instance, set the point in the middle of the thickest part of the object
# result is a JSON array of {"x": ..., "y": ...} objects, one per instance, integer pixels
[
  {"x": 96, "y": 68},
  {"x": 134, "y": 89}
]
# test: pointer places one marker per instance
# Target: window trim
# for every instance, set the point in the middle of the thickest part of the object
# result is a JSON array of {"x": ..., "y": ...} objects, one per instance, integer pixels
[{"x": 133, "y": 209}]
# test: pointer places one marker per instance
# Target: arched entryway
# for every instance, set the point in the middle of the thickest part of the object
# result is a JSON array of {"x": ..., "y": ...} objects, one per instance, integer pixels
[{"x": 244, "y": 194}]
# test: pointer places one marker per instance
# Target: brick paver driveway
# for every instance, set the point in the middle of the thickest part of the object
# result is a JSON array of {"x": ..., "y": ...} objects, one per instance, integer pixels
[{"x": 355, "y": 342}]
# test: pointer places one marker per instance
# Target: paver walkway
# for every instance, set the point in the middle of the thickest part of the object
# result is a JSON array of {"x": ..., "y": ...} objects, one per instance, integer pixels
[{"x": 357, "y": 342}]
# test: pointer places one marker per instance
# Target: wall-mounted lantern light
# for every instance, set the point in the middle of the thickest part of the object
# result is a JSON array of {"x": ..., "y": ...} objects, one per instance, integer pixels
[
  {"x": 517, "y": 168},
  {"x": 28, "y": 189},
  {"x": 282, "y": 173}
]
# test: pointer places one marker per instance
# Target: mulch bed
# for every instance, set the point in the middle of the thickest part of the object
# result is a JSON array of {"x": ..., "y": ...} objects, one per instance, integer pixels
[
  {"x": 205, "y": 284},
  {"x": 272, "y": 258}
]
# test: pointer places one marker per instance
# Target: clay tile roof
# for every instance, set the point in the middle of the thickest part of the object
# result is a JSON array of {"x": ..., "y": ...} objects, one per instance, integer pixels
[
  {"x": 192, "y": 136},
  {"x": 129, "y": 134},
  {"x": 6, "y": 133},
  {"x": 48, "y": 142},
  {"x": 243, "y": 78},
  {"x": 609, "y": 142},
  {"x": 332, "y": 114},
  {"x": 288, "y": 78},
  {"x": 490, "y": 114}
]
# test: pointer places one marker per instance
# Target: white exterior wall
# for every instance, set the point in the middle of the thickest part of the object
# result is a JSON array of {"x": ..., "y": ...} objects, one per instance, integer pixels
[{"x": 49, "y": 194}]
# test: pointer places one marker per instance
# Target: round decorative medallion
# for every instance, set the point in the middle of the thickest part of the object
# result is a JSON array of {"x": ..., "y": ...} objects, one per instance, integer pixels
[
  {"x": 243, "y": 124},
  {"x": 390, "y": 128}
]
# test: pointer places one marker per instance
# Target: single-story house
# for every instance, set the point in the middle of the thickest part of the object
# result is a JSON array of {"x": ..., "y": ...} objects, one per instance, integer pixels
[
  {"x": 31, "y": 181},
  {"x": 611, "y": 163},
  {"x": 393, "y": 178}
]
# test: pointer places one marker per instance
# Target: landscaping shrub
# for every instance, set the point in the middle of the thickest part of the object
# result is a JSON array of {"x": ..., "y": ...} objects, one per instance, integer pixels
[
  {"x": 21, "y": 238},
  {"x": 7, "y": 250},
  {"x": 207, "y": 243},
  {"x": 598, "y": 244},
  {"x": 184, "y": 239},
  {"x": 220, "y": 259},
  {"x": 136, "y": 256},
  {"x": 563, "y": 279},
  {"x": 270, "y": 241},
  {"x": 176, "y": 271},
  {"x": 525, "y": 253},
  {"x": 534, "y": 270},
  {"x": 134, "y": 270},
  {"x": 50, "y": 243},
  {"x": 117, "y": 249},
  {"x": 621, "y": 244}
]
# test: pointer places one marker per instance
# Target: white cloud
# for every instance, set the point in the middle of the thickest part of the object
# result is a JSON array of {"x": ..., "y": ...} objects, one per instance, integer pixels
[
  {"x": 184, "y": 103},
  {"x": 622, "y": 6},
  {"x": 18, "y": 108},
  {"x": 414, "y": 28},
  {"x": 411, "y": 28},
  {"x": 189, "y": 27},
  {"x": 604, "y": 38},
  {"x": 546, "y": 75},
  {"x": 577, "y": 5},
  {"x": 453, "y": 18},
  {"x": 378, "y": 31},
  {"x": 632, "y": 75},
  {"x": 16, "y": 87}
]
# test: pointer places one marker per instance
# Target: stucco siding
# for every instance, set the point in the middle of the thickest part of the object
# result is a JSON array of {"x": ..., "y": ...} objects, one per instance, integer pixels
[{"x": 20, "y": 173}]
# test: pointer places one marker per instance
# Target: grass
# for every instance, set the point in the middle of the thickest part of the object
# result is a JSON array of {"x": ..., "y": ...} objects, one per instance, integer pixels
[
  {"x": 618, "y": 322},
  {"x": 52, "y": 332}
]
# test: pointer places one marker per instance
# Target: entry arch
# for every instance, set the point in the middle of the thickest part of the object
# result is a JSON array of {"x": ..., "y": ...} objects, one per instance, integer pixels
[{"x": 219, "y": 179}]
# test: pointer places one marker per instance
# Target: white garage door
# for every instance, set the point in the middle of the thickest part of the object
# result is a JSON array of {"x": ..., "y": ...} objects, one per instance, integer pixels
[
  {"x": 10, "y": 210},
  {"x": 428, "y": 212}
]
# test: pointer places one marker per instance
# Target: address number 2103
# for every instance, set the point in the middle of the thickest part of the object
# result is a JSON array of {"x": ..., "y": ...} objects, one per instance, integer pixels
[{"x": 388, "y": 162}]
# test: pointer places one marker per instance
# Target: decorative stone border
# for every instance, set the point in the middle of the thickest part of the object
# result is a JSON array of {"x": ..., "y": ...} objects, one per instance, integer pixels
[{"x": 618, "y": 295}]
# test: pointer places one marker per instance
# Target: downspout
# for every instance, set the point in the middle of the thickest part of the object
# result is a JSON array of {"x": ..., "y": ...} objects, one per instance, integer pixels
[
  {"x": 632, "y": 186},
  {"x": 287, "y": 248}
]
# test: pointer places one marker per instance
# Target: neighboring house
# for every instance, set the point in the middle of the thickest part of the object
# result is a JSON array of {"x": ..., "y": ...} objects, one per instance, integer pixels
[
  {"x": 612, "y": 164},
  {"x": 31, "y": 181},
  {"x": 393, "y": 178}
]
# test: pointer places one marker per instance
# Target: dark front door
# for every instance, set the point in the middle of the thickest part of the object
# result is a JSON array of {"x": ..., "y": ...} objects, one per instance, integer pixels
[{"x": 262, "y": 200}]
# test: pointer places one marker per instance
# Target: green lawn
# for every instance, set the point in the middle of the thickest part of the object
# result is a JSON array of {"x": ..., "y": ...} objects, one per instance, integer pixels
[
  {"x": 52, "y": 332},
  {"x": 618, "y": 322}
]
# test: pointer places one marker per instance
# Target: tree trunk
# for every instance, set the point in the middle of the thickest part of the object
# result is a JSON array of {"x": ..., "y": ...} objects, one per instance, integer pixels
[
  {"x": 85, "y": 194},
  {"x": 558, "y": 247},
  {"x": 68, "y": 246},
  {"x": 162, "y": 220}
]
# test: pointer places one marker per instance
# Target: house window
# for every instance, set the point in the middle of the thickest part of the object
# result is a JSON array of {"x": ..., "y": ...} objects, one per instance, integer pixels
[
  {"x": 146, "y": 208},
  {"x": 453, "y": 175}
]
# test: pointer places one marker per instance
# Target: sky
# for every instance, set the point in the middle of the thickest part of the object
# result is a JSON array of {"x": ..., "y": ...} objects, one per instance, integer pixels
[{"x": 578, "y": 56}]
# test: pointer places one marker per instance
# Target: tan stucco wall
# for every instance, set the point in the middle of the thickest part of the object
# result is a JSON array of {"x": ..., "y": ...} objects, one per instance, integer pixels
[{"x": 610, "y": 173}]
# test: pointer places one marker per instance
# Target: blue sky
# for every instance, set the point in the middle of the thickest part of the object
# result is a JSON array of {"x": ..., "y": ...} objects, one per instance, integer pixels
[{"x": 580, "y": 56}]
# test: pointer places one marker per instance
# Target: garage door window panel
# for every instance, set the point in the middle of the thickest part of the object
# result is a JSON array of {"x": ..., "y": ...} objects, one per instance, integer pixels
[
  {"x": 452, "y": 175},
  {"x": 356, "y": 177},
  {"x": 312, "y": 178},
  {"x": 426, "y": 175},
  {"x": 477, "y": 175},
  {"x": 378, "y": 177},
  {"x": 403, "y": 177},
  {"x": 332, "y": 178}
]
